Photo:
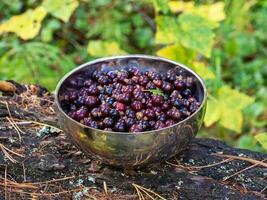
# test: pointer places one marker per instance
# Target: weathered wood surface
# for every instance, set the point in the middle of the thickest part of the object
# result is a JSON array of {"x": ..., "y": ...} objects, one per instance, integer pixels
[{"x": 44, "y": 156}]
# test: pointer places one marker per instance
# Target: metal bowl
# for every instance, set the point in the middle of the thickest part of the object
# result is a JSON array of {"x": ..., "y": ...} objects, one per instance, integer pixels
[{"x": 129, "y": 150}]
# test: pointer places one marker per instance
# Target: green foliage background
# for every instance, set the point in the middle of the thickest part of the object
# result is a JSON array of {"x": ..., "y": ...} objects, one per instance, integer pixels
[{"x": 224, "y": 41}]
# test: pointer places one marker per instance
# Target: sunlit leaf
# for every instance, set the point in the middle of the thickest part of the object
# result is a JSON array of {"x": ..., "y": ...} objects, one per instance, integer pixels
[
  {"x": 262, "y": 139},
  {"x": 161, "y": 5},
  {"x": 234, "y": 99},
  {"x": 213, "y": 12},
  {"x": 99, "y": 48},
  {"x": 213, "y": 112},
  {"x": 178, "y": 53},
  {"x": 166, "y": 30},
  {"x": 203, "y": 70},
  {"x": 231, "y": 118},
  {"x": 26, "y": 25},
  {"x": 61, "y": 9},
  {"x": 227, "y": 109},
  {"x": 181, "y": 6},
  {"x": 196, "y": 33}
]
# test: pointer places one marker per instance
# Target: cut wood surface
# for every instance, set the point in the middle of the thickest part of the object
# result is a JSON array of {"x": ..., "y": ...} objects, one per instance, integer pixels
[{"x": 38, "y": 161}]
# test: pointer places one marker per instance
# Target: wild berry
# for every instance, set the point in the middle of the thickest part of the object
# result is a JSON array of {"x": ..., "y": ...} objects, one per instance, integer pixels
[
  {"x": 120, "y": 106},
  {"x": 114, "y": 114},
  {"x": 137, "y": 105},
  {"x": 120, "y": 126},
  {"x": 157, "y": 99},
  {"x": 136, "y": 128},
  {"x": 108, "y": 122},
  {"x": 91, "y": 101}
]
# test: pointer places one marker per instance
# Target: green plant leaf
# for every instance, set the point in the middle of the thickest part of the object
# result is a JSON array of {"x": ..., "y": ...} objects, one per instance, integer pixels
[
  {"x": 178, "y": 53},
  {"x": 166, "y": 30},
  {"x": 203, "y": 70},
  {"x": 100, "y": 48},
  {"x": 161, "y": 5},
  {"x": 213, "y": 112},
  {"x": 196, "y": 33},
  {"x": 213, "y": 12},
  {"x": 230, "y": 98},
  {"x": 262, "y": 139},
  {"x": 227, "y": 109},
  {"x": 26, "y": 25},
  {"x": 231, "y": 118},
  {"x": 61, "y": 9}
]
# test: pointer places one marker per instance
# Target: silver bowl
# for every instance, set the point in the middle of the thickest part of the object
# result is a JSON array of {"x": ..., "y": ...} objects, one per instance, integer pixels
[{"x": 129, "y": 150}]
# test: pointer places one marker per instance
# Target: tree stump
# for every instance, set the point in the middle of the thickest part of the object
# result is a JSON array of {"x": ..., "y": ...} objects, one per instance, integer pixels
[{"x": 37, "y": 161}]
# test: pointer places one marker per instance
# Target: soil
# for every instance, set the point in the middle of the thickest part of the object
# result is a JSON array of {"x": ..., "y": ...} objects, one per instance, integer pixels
[{"x": 37, "y": 161}]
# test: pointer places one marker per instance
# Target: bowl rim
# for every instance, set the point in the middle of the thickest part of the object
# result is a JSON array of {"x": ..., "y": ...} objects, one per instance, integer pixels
[{"x": 129, "y": 56}]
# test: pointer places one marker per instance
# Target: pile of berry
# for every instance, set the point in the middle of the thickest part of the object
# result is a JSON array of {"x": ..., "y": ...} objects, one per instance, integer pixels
[{"x": 130, "y": 100}]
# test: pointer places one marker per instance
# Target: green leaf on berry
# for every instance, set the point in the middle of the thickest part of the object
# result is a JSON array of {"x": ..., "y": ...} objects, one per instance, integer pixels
[{"x": 155, "y": 91}]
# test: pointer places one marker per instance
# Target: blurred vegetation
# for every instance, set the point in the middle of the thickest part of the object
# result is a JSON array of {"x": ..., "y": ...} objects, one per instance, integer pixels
[{"x": 224, "y": 41}]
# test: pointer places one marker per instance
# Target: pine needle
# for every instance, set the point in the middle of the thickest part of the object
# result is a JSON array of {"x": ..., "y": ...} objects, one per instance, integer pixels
[{"x": 244, "y": 159}]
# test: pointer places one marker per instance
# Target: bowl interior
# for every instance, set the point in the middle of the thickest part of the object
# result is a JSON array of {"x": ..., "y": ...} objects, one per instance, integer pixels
[{"x": 125, "y": 62}]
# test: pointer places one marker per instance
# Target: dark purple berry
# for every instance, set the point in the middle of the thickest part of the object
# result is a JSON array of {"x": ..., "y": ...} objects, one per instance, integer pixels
[
  {"x": 159, "y": 125},
  {"x": 105, "y": 109},
  {"x": 169, "y": 122},
  {"x": 137, "y": 105},
  {"x": 149, "y": 113},
  {"x": 178, "y": 103},
  {"x": 144, "y": 124},
  {"x": 72, "y": 95},
  {"x": 93, "y": 124},
  {"x": 127, "y": 89},
  {"x": 103, "y": 80},
  {"x": 162, "y": 117},
  {"x": 120, "y": 126},
  {"x": 96, "y": 113},
  {"x": 130, "y": 113},
  {"x": 93, "y": 90},
  {"x": 112, "y": 75},
  {"x": 83, "y": 92},
  {"x": 179, "y": 84},
  {"x": 108, "y": 90},
  {"x": 110, "y": 100},
  {"x": 184, "y": 112},
  {"x": 114, "y": 114},
  {"x": 152, "y": 124},
  {"x": 157, "y": 99},
  {"x": 88, "y": 82},
  {"x": 158, "y": 82},
  {"x": 189, "y": 82},
  {"x": 150, "y": 86},
  {"x": 166, "y": 87},
  {"x": 108, "y": 122},
  {"x": 91, "y": 101},
  {"x": 171, "y": 75},
  {"x": 87, "y": 121},
  {"x": 96, "y": 75},
  {"x": 186, "y": 92},
  {"x": 174, "y": 113},
  {"x": 165, "y": 105},
  {"x": 130, "y": 121},
  {"x": 135, "y": 128},
  {"x": 125, "y": 97},
  {"x": 139, "y": 95},
  {"x": 80, "y": 101},
  {"x": 81, "y": 113},
  {"x": 143, "y": 80}
]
